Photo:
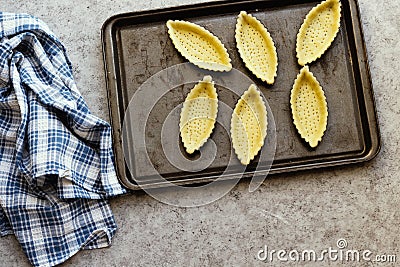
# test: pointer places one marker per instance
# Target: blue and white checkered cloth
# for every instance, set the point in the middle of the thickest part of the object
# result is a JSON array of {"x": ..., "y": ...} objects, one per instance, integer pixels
[{"x": 56, "y": 159}]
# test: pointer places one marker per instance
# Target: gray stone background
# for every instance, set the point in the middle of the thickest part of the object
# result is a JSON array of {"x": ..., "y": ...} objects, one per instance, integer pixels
[{"x": 310, "y": 210}]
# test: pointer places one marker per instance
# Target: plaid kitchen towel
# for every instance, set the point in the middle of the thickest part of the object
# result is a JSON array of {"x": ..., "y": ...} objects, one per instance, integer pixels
[{"x": 56, "y": 159}]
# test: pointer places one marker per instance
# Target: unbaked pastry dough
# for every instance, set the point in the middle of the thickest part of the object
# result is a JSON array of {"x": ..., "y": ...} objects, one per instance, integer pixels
[
  {"x": 318, "y": 31},
  {"x": 309, "y": 107},
  {"x": 198, "y": 115},
  {"x": 249, "y": 125},
  {"x": 256, "y": 47},
  {"x": 199, "y": 46}
]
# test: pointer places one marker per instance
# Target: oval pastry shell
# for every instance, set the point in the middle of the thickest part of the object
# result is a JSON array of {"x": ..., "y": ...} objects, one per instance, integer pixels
[
  {"x": 199, "y": 46},
  {"x": 256, "y": 47},
  {"x": 309, "y": 107},
  {"x": 249, "y": 125},
  {"x": 318, "y": 31},
  {"x": 198, "y": 115}
]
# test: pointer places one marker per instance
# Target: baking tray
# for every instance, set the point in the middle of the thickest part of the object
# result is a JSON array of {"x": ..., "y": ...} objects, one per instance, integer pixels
[{"x": 137, "y": 46}]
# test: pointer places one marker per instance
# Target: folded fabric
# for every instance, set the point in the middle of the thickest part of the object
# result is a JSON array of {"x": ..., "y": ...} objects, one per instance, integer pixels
[{"x": 56, "y": 158}]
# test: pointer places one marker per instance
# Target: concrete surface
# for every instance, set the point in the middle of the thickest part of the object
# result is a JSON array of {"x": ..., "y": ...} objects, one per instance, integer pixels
[{"x": 310, "y": 210}]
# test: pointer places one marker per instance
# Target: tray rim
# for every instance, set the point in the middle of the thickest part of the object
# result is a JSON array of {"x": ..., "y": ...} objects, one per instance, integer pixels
[{"x": 110, "y": 69}]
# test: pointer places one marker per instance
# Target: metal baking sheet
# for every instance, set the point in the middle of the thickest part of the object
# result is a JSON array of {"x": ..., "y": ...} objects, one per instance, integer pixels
[{"x": 137, "y": 46}]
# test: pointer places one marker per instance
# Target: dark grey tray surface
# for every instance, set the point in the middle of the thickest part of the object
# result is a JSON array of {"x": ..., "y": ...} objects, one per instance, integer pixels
[{"x": 137, "y": 46}]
